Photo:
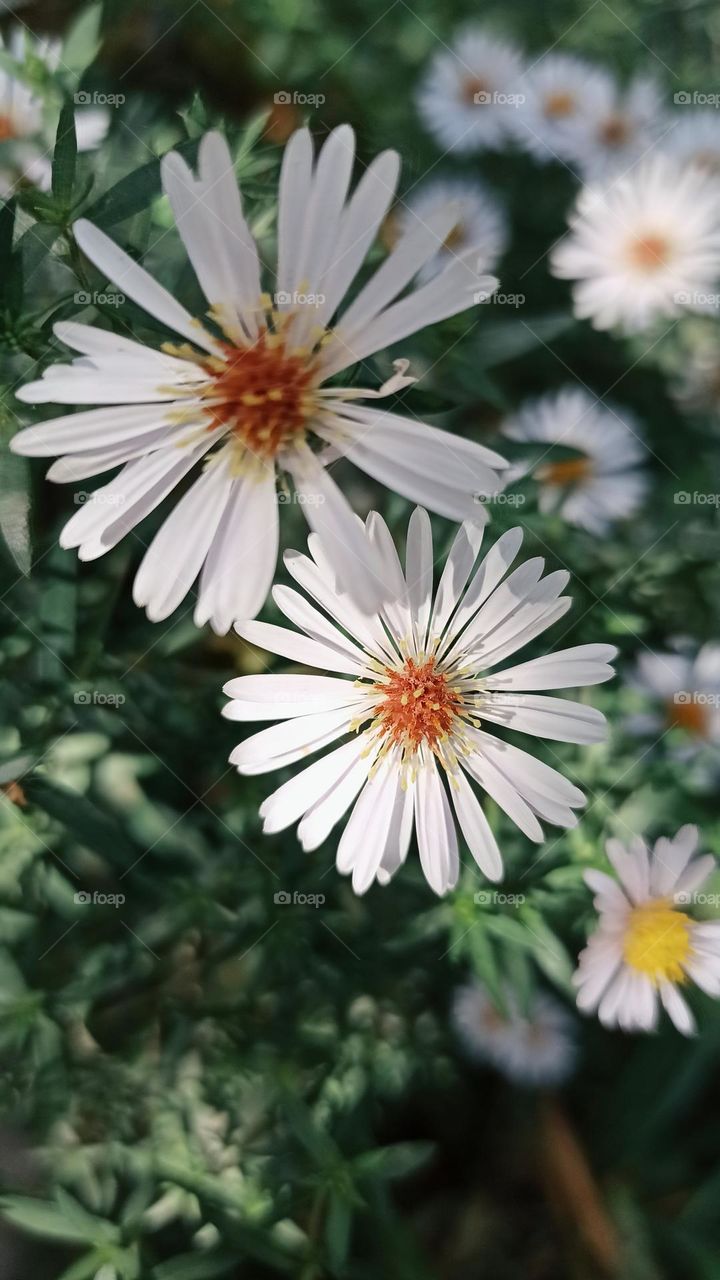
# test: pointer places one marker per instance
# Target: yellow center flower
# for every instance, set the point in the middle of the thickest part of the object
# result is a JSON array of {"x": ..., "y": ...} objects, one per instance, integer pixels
[{"x": 657, "y": 941}]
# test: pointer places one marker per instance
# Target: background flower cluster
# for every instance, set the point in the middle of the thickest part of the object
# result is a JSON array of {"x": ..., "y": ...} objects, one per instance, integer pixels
[{"x": 217, "y": 1061}]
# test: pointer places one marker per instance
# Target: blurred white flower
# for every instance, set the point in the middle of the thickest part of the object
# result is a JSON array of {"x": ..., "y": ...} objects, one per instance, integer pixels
[
  {"x": 251, "y": 384},
  {"x": 646, "y": 947},
  {"x": 561, "y": 92},
  {"x": 694, "y": 139},
  {"x": 597, "y": 480},
  {"x": 420, "y": 683},
  {"x": 480, "y": 223},
  {"x": 27, "y": 135},
  {"x": 468, "y": 96},
  {"x": 644, "y": 247},
  {"x": 535, "y": 1047},
  {"x": 685, "y": 690},
  {"x": 616, "y": 127}
]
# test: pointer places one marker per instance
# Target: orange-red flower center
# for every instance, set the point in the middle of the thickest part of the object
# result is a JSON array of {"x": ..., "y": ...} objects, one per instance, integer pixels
[
  {"x": 614, "y": 131},
  {"x": 690, "y": 715},
  {"x": 418, "y": 704},
  {"x": 262, "y": 393},
  {"x": 7, "y": 128},
  {"x": 568, "y": 471},
  {"x": 649, "y": 252},
  {"x": 558, "y": 105}
]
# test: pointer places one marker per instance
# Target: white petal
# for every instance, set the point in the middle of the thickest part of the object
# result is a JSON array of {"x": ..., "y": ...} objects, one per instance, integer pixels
[
  {"x": 326, "y": 813},
  {"x": 437, "y": 842},
  {"x": 475, "y": 827},
  {"x": 289, "y": 741},
  {"x": 565, "y": 669},
  {"x": 677, "y": 1009},
  {"x": 307, "y": 788},
  {"x": 556, "y": 718},
  {"x": 298, "y": 648},
  {"x": 419, "y": 572},
  {"x": 240, "y": 565}
]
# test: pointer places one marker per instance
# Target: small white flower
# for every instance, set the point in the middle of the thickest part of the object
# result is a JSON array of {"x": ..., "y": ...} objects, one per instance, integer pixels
[
  {"x": 467, "y": 98},
  {"x": 646, "y": 947},
  {"x": 686, "y": 692},
  {"x": 250, "y": 387},
  {"x": 479, "y": 225},
  {"x": 562, "y": 93},
  {"x": 27, "y": 135},
  {"x": 647, "y": 246},
  {"x": 694, "y": 139},
  {"x": 536, "y": 1047},
  {"x": 617, "y": 127},
  {"x": 597, "y": 481},
  {"x": 420, "y": 694}
]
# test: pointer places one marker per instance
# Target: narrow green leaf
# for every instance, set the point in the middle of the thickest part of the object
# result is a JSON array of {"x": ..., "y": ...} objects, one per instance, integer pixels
[
  {"x": 88, "y": 824},
  {"x": 65, "y": 157},
  {"x": 15, "y": 506},
  {"x": 40, "y": 1218},
  {"x": 82, "y": 41}
]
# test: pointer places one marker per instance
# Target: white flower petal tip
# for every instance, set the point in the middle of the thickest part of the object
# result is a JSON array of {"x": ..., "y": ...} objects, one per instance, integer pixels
[
  {"x": 412, "y": 691},
  {"x": 253, "y": 404},
  {"x": 648, "y": 946}
]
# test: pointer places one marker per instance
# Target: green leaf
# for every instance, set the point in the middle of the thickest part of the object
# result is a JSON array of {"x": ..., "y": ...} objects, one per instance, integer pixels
[
  {"x": 135, "y": 192},
  {"x": 40, "y": 1218},
  {"x": 64, "y": 163},
  {"x": 195, "y": 1266},
  {"x": 15, "y": 505},
  {"x": 337, "y": 1230},
  {"x": 82, "y": 42},
  {"x": 396, "y": 1161},
  {"x": 88, "y": 824},
  {"x": 508, "y": 339}
]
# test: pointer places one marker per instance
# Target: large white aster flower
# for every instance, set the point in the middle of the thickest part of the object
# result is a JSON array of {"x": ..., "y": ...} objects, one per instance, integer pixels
[
  {"x": 535, "y": 1046},
  {"x": 418, "y": 704},
  {"x": 470, "y": 93},
  {"x": 646, "y": 246},
  {"x": 645, "y": 949},
  {"x": 247, "y": 393},
  {"x": 597, "y": 481},
  {"x": 480, "y": 223},
  {"x": 26, "y": 134}
]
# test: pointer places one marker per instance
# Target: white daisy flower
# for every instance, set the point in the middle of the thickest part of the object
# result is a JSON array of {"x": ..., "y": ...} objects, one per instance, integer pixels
[
  {"x": 686, "y": 692},
  {"x": 26, "y": 135},
  {"x": 695, "y": 140},
  {"x": 645, "y": 948},
  {"x": 418, "y": 704},
  {"x": 645, "y": 247},
  {"x": 480, "y": 223},
  {"x": 250, "y": 388},
  {"x": 469, "y": 94},
  {"x": 535, "y": 1047},
  {"x": 597, "y": 480},
  {"x": 617, "y": 127},
  {"x": 561, "y": 92}
]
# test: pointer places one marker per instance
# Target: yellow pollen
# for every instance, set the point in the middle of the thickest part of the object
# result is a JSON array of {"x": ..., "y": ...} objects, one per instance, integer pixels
[
  {"x": 567, "y": 472},
  {"x": 417, "y": 705},
  {"x": 657, "y": 941},
  {"x": 649, "y": 253},
  {"x": 262, "y": 393},
  {"x": 558, "y": 105}
]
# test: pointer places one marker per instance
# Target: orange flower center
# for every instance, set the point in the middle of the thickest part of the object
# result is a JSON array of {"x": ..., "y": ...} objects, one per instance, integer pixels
[
  {"x": 558, "y": 105},
  {"x": 708, "y": 160},
  {"x": 690, "y": 715},
  {"x": 476, "y": 92},
  {"x": 614, "y": 131},
  {"x": 418, "y": 704},
  {"x": 569, "y": 471},
  {"x": 263, "y": 393},
  {"x": 649, "y": 253},
  {"x": 7, "y": 128}
]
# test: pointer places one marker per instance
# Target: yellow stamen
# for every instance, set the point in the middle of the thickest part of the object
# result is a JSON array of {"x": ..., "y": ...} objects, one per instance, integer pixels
[{"x": 657, "y": 941}]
